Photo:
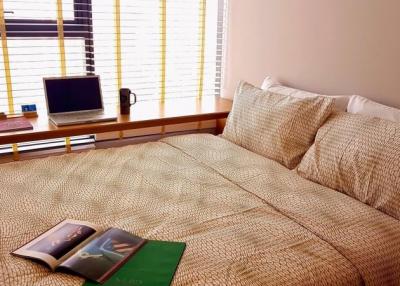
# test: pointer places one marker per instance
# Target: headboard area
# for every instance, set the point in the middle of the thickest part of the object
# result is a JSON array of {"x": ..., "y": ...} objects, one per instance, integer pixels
[{"x": 324, "y": 46}]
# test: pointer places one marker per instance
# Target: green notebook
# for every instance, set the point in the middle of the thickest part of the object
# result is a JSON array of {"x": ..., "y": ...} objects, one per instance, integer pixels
[{"x": 154, "y": 264}]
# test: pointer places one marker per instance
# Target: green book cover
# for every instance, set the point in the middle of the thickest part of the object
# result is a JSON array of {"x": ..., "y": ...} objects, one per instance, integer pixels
[{"x": 154, "y": 264}]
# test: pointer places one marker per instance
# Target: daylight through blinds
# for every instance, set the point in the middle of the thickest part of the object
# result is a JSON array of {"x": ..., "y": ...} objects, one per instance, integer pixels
[{"x": 159, "y": 49}]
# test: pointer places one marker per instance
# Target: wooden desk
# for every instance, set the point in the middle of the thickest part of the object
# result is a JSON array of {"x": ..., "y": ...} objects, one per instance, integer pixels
[{"x": 143, "y": 114}]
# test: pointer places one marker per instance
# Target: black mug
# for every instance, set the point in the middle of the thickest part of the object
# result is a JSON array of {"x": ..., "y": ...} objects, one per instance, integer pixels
[{"x": 125, "y": 100}]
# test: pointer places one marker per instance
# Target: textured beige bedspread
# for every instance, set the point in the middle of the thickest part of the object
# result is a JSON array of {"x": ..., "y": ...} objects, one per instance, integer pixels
[{"x": 246, "y": 220}]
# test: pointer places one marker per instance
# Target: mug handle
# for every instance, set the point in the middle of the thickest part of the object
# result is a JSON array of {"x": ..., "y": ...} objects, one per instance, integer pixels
[{"x": 134, "y": 97}]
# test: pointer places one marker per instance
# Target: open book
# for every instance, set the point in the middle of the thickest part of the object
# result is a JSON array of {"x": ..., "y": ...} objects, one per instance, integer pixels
[{"x": 83, "y": 248}]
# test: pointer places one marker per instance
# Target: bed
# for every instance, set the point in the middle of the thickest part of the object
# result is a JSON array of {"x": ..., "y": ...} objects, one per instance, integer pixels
[
  {"x": 293, "y": 192},
  {"x": 246, "y": 219}
]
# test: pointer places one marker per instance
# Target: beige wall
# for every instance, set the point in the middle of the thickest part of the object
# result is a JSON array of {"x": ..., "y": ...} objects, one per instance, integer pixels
[{"x": 326, "y": 46}]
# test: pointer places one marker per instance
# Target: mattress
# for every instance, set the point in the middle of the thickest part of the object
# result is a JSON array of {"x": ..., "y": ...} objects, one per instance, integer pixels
[{"x": 246, "y": 219}]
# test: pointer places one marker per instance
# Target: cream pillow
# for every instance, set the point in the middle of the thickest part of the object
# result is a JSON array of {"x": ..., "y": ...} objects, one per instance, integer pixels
[
  {"x": 270, "y": 84},
  {"x": 276, "y": 126},
  {"x": 362, "y": 105},
  {"x": 359, "y": 156}
]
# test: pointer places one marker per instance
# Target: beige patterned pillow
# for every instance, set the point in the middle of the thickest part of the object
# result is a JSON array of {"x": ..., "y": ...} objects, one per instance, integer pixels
[
  {"x": 279, "y": 127},
  {"x": 359, "y": 156}
]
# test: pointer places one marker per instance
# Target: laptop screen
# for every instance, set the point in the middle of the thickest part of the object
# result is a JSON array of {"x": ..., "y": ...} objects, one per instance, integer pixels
[{"x": 73, "y": 94}]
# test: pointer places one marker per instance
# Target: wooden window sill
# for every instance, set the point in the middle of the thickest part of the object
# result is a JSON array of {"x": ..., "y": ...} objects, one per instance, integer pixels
[{"x": 143, "y": 114}]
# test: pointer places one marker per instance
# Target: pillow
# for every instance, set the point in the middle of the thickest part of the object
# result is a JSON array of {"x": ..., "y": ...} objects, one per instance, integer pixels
[
  {"x": 276, "y": 126},
  {"x": 359, "y": 156},
  {"x": 270, "y": 84},
  {"x": 362, "y": 105}
]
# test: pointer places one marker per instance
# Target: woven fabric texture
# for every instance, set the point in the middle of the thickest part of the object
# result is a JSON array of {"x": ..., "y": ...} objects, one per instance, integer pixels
[
  {"x": 368, "y": 239},
  {"x": 359, "y": 156},
  {"x": 279, "y": 127},
  {"x": 247, "y": 220}
]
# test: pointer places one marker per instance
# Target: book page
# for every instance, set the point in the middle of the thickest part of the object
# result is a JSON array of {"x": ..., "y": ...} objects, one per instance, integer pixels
[
  {"x": 104, "y": 254},
  {"x": 58, "y": 243}
]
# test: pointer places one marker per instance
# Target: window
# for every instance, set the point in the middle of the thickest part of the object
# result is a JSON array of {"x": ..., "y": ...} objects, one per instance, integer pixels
[
  {"x": 157, "y": 48},
  {"x": 36, "y": 10},
  {"x": 31, "y": 59},
  {"x": 41, "y": 38}
]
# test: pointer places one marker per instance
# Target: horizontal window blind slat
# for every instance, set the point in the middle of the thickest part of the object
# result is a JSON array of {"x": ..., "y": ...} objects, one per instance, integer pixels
[{"x": 181, "y": 62}]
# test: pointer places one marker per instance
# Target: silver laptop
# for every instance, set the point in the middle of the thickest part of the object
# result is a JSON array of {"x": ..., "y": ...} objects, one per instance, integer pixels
[{"x": 75, "y": 100}]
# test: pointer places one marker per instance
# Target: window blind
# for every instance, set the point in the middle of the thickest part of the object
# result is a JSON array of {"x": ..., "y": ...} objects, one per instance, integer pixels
[{"x": 157, "y": 48}]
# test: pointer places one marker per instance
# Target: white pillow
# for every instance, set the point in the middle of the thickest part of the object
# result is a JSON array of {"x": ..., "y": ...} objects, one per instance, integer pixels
[
  {"x": 365, "y": 106},
  {"x": 272, "y": 85},
  {"x": 268, "y": 82}
]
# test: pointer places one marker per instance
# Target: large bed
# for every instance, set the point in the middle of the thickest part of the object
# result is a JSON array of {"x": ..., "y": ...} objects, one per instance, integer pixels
[{"x": 246, "y": 219}]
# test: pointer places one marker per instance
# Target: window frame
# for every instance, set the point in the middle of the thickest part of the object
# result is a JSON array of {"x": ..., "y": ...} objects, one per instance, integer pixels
[{"x": 80, "y": 27}]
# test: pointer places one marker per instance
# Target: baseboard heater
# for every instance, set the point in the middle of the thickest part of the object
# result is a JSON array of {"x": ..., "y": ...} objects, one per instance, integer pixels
[{"x": 47, "y": 144}]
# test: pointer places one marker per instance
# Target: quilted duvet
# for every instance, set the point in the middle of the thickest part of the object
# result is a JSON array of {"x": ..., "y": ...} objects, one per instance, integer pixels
[{"x": 246, "y": 219}]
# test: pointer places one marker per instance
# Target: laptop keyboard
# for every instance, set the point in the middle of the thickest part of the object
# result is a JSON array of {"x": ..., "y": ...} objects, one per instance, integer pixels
[{"x": 89, "y": 115}]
